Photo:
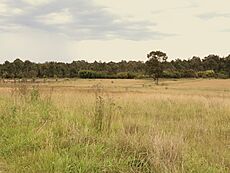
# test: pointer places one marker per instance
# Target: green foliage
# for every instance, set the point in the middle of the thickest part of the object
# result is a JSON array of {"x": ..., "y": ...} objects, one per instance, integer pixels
[
  {"x": 222, "y": 75},
  {"x": 189, "y": 73},
  {"x": 89, "y": 74},
  {"x": 125, "y": 75},
  {"x": 206, "y": 74},
  {"x": 171, "y": 74},
  {"x": 155, "y": 64},
  {"x": 155, "y": 67}
]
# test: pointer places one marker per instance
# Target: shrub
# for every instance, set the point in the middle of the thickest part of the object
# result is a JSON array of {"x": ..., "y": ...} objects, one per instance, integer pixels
[
  {"x": 126, "y": 75},
  {"x": 222, "y": 75},
  {"x": 206, "y": 74},
  {"x": 171, "y": 74},
  {"x": 189, "y": 74},
  {"x": 89, "y": 74}
]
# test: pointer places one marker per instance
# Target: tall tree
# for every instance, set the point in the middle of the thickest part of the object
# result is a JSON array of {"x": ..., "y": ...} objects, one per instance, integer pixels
[
  {"x": 227, "y": 65},
  {"x": 212, "y": 62},
  {"x": 195, "y": 63},
  {"x": 154, "y": 64}
]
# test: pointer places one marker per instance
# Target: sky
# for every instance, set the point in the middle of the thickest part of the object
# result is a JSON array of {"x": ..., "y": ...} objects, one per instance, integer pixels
[{"x": 112, "y": 30}]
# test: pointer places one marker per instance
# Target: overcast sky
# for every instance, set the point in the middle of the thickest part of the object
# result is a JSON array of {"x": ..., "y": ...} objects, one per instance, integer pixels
[{"x": 112, "y": 30}]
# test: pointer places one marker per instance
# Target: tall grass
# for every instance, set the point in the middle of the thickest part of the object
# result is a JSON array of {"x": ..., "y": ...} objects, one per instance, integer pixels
[
  {"x": 104, "y": 110},
  {"x": 101, "y": 129}
]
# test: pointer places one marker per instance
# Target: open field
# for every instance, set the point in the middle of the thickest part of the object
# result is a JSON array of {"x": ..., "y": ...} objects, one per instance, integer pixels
[{"x": 124, "y": 126}]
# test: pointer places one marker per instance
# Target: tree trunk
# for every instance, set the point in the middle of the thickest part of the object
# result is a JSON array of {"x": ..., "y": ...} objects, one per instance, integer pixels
[{"x": 157, "y": 81}]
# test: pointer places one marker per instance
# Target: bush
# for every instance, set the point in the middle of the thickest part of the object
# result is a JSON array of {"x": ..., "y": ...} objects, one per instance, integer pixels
[
  {"x": 222, "y": 75},
  {"x": 189, "y": 74},
  {"x": 171, "y": 74},
  {"x": 180, "y": 74},
  {"x": 141, "y": 76},
  {"x": 126, "y": 75},
  {"x": 89, "y": 74},
  {"x": 206, "y": 74}
]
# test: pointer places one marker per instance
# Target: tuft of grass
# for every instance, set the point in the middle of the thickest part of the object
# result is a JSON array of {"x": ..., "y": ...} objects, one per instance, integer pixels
[{"x": 104, "y": 110}]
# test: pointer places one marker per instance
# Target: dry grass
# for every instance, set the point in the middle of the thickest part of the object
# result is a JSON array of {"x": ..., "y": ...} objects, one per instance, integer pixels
[{"x": 117, "y": 126}]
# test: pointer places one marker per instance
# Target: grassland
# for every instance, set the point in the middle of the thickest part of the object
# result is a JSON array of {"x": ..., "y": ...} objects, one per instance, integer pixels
[{"x": 84, "y": 126}]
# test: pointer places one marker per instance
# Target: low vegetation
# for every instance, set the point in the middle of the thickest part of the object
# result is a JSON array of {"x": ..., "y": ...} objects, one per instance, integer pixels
[{"x": 115, "y": 126}]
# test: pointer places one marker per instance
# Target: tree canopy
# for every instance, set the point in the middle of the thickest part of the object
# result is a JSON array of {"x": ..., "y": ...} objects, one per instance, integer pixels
[{"x": 156, "y": 65}]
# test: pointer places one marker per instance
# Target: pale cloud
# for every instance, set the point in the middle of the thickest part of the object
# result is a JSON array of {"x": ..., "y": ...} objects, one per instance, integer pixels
[
  {"x": 140, "y": 9},
  {"x": 81, "y": 20},
  {"x": 212, "y": 15},
  {"x": 37, "y": 2},
  {"x": 112, "y": 29},
  {"x": 226, "y": 30},
  {"x": 6, "y": 10},
  {"x": 213, "y": 6},
  {"x": 62, "y": 17}
]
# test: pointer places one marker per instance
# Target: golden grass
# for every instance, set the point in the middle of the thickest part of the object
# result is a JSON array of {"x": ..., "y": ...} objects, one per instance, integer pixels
[{"x": 179, "y": 126}]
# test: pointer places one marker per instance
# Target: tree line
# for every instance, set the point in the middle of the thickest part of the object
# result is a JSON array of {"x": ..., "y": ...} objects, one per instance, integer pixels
[{"x": 156, "y": 66}]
